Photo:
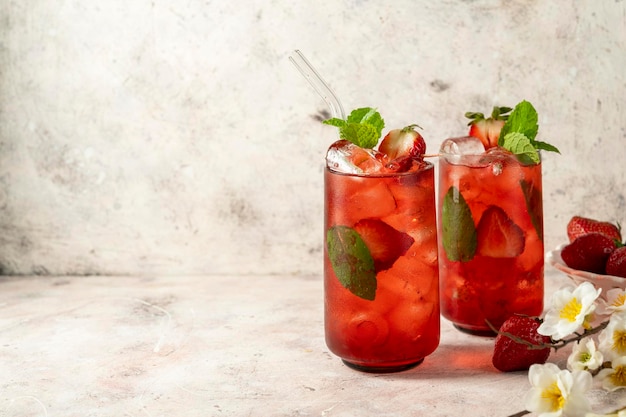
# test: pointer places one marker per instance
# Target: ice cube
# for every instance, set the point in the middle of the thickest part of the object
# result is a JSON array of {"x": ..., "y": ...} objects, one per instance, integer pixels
[
  {"x": 367, "y": 328},
  {"x": 467, "y": 145},
  {"x": 346, "y": 157},
  {"x": 498, "y": 158},
  {"x": 466, "y": 150}
]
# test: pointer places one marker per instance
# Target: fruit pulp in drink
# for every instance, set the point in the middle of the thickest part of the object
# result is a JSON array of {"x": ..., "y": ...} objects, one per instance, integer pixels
[
  {"x": 491, "y": 239},
  {"x": 380, "y": 268}
]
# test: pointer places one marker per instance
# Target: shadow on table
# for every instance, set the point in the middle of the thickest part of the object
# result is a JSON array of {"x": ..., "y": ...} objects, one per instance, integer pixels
[{"x": 455, "y": 361}]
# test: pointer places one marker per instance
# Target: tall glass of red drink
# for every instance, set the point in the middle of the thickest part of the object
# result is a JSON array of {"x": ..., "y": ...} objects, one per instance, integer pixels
[
  {"x": 380, "y": 266},
  {"x": 491, "y": 235}
]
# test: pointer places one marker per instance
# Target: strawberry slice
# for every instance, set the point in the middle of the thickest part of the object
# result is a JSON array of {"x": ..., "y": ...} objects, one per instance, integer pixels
[
  {"x": 579, "y": 226},
  {"x": 589, "y": 252},
  {"x": 616, "y": 264},
  {"x": 385, "y": 243},
  {"x": 403, "y": 142},
  {"x": 488, "y": 129},
  {"x": 511, "y": 355},
  {"x": 498, "y": 236}
]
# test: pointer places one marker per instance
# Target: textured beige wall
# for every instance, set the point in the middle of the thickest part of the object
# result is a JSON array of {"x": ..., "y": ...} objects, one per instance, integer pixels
[{"x": 150, "y": 136}]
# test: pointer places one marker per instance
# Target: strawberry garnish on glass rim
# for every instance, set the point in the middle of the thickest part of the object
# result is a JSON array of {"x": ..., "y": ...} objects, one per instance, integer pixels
[
  {"x": 403, "y": 142},
  {"x": 488, "y": 129},
  {"x": 400, "y": 148},
  {"x": 515, "y": 132}
]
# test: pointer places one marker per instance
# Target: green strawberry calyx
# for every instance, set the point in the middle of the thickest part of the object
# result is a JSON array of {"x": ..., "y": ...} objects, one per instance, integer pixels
[
  {"x": 519, "y": 132},
  {"x": 363, "y": 127},
  {"x": 498, "y": 113}
]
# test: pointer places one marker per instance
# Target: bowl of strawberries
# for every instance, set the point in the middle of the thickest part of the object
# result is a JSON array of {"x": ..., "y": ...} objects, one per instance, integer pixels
[{"x": 594, "y": 253}]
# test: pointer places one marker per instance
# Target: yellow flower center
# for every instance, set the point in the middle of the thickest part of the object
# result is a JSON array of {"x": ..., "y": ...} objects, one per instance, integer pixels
[
  {"x": 619, "y": 342},
  {"x": 620, "y": 300},
  {"x": 554, "y": 396},
  {"x": 618, "y": 378},
  {"x": 571, "y": 310},
  {"x": 584, "y": 357}
]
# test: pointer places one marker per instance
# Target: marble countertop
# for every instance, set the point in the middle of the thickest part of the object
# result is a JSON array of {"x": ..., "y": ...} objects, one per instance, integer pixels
[{"x": 222, "y": 346}]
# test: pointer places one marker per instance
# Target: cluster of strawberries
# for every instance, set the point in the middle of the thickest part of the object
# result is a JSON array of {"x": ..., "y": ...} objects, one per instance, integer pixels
[{"x": 595, "y": 246}]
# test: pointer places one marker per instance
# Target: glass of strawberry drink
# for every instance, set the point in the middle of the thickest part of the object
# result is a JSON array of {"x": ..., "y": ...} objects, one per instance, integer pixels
[
  {"x": 491, "y": 221},
  {"x": 381, "y": 307}
]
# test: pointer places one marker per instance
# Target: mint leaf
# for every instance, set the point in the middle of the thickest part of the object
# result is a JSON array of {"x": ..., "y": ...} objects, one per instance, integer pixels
[
  {"x": 520, "y": 145},
  {"x": 352, "y": 261},
  {"x": 363, "y": 135},
  {"x": 363, "y": 127},
  {"x": 523, "y": 119},
  {"x": 545, "y": 146},
  {"x": 360, "y": 115},
  {"x": 459, "y": 237},
  {"x": 534, "y": 205},
  {"x": 335, "y": 122}
]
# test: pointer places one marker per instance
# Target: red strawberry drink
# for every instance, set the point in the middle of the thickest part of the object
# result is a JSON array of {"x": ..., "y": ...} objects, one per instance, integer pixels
[
  {"x": 380, "y": 260},
  {"x": 491, "y": 225}
]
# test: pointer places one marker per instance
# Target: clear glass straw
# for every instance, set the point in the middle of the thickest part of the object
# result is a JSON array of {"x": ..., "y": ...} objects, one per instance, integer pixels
[{"x": 318, "y": 83}]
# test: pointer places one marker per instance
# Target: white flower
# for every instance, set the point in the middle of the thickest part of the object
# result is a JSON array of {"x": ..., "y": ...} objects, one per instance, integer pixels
[
  {"x": 615, "y": 302},
  {"x": 557, "y": 392},
  {"x": 613, "y": 338},
  {"x": 614, "y": 378},
  {"x": 585, "y": 357},
  {"x": 569, "y": 310}
]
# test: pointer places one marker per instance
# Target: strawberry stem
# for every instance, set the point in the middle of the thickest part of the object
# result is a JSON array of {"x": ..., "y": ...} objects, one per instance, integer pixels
[
  {"x": 556, "y": 344},
  {"x": 580, "y": 336},
  {"x": 410, "y": 128},
  {"x": 521, "y": 413},
  {"x": 500, "y": 113}
]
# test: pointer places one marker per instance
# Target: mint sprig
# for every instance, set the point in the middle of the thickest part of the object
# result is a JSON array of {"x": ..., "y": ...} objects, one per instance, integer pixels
[
  {"x": 352, "y": 261},
  {"x": 522, "y": 146},
  {"x": 363, "y": 127},
  {"x": 519, "y": 132},
  {"x": 459, "y": 236}
]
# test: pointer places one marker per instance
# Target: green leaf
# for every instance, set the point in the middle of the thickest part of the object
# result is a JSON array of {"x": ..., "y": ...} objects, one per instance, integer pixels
[
  {"x": 534, "y": 205},
  {"x": 521, "y": 145},
  {"x": 363, "y": 135},
  {"x": 458, "y": 230},
  {"x": 545, "y": 146},
  {"x": 363, "y": 127},
  {"x": 523, "y": 119},
  {"x": 367, "y": 115},
  {"x": 360, "y": 115},
  {"x": 352, "y": 261},
  {"x": 335, "y": 122}
]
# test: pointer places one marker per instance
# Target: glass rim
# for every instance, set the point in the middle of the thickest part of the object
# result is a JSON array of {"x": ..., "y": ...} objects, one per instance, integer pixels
[
  {"x": 454, "y": 158},
  {"x": 427, "y": 166}
]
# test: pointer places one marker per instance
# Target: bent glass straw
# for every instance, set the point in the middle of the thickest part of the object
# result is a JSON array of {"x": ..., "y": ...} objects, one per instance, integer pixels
[{"x": 318, "y": 83}]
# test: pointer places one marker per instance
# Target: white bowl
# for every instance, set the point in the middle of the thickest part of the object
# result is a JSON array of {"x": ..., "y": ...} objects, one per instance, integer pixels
[{"x": 605, "y": 282}]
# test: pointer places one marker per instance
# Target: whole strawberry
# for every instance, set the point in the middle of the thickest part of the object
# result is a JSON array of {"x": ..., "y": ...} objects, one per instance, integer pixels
[
  {"x": 511, "y": 355},
  {"x": 405, "y": 142},
  {"x": 579, "y": 226},
  {"x": 589, "y": 252},
  {"x": 616, "y": 264},
  {"x": 488, "y": 129}
]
